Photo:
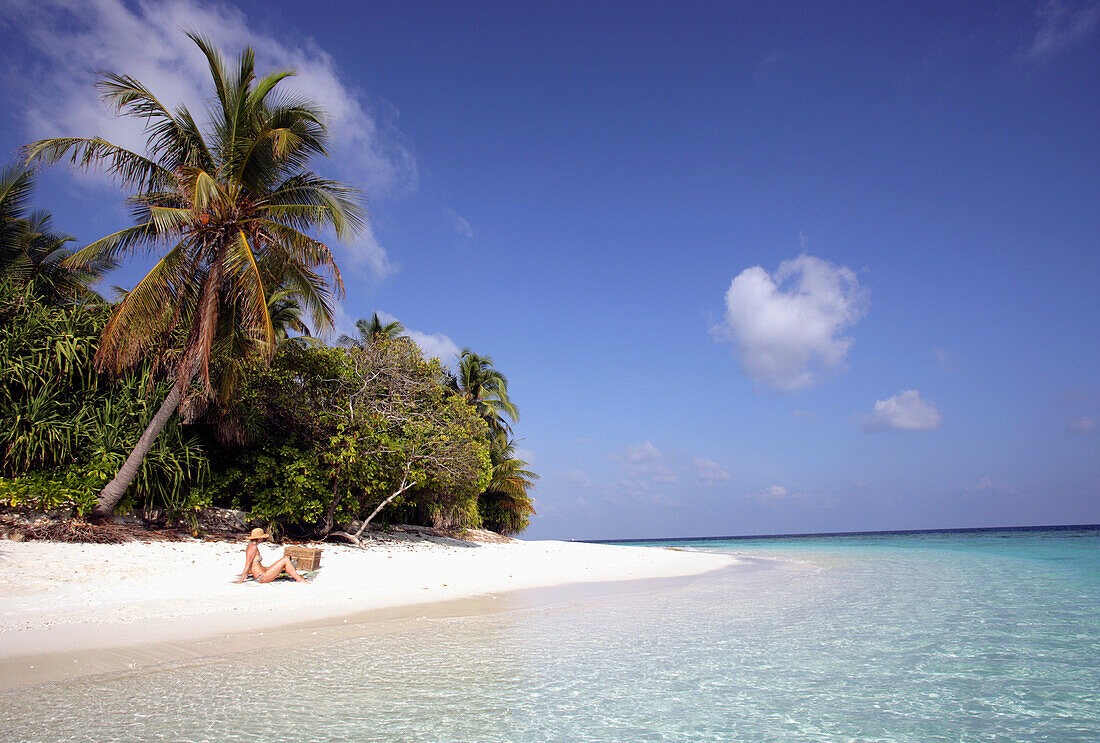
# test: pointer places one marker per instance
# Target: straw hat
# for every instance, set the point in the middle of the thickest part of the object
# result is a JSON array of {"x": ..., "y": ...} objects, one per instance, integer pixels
[{"x": 258, "y": 534}]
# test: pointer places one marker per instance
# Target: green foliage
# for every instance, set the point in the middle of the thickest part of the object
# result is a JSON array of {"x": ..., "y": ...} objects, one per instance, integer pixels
[
  {"x": 72, "y": 487},
  {"x": 329, "y": 434},
  {"x": 485, "y": 388},
  {"x": 371, "y": 331},
  {"x": 31, "y": 253},
  {"x": 281, "y": 485},
  {"x": 505, "y": 513},
  {"x": 64, "y": 429},
  {"x": 506, "y": 506}
]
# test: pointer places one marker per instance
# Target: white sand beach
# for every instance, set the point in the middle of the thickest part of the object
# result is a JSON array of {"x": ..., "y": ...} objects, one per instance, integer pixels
[{"x": 70, "y": 599}]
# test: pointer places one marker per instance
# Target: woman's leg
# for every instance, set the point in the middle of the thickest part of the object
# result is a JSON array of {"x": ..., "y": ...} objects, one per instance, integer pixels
[{"x": 273, "y": 572}]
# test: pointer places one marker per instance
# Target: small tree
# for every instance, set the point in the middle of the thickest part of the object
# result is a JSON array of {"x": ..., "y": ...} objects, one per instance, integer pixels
[{"x": 404, "y": 432}]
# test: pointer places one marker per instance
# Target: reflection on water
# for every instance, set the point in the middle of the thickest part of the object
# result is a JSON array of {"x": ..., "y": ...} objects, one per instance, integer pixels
[{"x": 897, "y": 639}]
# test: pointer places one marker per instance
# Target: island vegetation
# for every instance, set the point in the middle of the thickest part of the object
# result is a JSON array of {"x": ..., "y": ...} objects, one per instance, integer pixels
[{"x": 207, "y": 384}]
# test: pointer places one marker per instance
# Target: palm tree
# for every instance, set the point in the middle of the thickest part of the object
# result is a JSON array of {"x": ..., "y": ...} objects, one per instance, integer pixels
[
  {"x": 285, "y": 310},
  {"x": 506, "y": 506},
  {"x": 371, "y": 331},
  {"x": 228, "y": 209},
  {"x": 32, "y": 253},
  {"x": 486, "y": 389}
]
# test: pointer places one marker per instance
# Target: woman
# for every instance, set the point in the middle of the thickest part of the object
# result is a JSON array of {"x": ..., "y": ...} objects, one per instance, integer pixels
[{"x": 253, "y": 565}]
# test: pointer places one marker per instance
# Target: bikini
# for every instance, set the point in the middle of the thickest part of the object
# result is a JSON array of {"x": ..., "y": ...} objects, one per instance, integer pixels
[{"x": 252, "y": 565}]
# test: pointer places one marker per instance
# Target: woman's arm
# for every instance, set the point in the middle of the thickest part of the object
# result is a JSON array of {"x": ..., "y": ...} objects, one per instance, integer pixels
[{"x": 248, "y": 557}]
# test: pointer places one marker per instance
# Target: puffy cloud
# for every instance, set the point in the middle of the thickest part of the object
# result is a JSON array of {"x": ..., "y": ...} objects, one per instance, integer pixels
[
  {"x": 789, "y": 326},
  {"x": 1062, "y": 25},
  {"x": 459, "y": 223},
  {"x": 144, "y": 39},
  {"x": 709, "y": 472},
  {"x": 906, "y": 411},
  {"x": 434, "y": 345},
  {"x": 1084, "y": 424}
]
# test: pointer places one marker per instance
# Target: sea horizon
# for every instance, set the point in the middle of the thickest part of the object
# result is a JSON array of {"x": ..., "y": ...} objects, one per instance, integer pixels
[{"x": 883, "y": 532}]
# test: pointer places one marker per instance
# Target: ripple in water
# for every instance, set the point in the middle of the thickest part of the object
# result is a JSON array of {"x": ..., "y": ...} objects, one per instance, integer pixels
[{"x": 932, "y": 638}]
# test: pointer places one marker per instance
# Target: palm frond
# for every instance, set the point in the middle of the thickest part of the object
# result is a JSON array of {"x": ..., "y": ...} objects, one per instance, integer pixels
[{"x": 131, "y": 169}]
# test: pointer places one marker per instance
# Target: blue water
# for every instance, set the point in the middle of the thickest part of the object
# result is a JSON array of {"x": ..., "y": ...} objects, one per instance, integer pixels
[{"x": 931, "y": 637}]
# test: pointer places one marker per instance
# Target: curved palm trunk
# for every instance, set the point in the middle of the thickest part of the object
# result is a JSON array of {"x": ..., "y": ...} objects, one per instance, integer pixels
[
  {"x": 114, "y": 490},
  {"x": 198, "y": 348}
]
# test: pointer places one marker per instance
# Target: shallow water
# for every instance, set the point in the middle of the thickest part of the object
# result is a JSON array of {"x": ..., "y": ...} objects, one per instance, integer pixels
[{"x": 945, "y": 637}]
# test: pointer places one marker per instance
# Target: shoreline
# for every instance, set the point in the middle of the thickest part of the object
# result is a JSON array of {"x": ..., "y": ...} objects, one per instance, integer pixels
[{"x": 74, "y": 610}]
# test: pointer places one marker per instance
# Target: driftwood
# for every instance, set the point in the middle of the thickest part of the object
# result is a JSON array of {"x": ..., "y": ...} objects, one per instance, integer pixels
[
  {"x": 357, "y": 537},
  {"x": 75, "y": 530}
]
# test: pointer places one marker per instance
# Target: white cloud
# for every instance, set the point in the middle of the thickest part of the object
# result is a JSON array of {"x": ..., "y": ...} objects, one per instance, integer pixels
[
  {"x": 645, "y": 464},
  {"x": 709, "y": 472},
  {"x": 906, "y": 411},
  {"x": 789, "y": 327},
  {"x": 144, "y": 39},
  {"x": 434, "y": 345},
  {"x": 365, "y": 252},
  {"x": 1062, "y": 25},
  {"x": 780, "y": 496},
  {"x": 641, "y": 454},
  {"x": 1084, "y": 424},
  {"x": 769, "y": 494},
  {"x": 459, "y": 223}
]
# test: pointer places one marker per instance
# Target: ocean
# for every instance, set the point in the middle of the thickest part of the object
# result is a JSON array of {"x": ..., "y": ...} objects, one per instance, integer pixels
[{"x": 978, "y": 636}]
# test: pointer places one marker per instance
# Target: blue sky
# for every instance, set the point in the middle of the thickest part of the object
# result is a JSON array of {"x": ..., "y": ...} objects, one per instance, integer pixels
[{"x": 771, "y": 269}]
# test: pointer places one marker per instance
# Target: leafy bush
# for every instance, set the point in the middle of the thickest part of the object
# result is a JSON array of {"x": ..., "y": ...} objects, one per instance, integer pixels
[
  {"x": 65, "y": 430},
  {"x": 44, "y": 490},
  {"x": 284, "y": 486}
]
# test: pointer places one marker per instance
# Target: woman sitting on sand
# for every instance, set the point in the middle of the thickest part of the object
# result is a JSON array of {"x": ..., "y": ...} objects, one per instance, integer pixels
[{"x": 253, "y": 565}]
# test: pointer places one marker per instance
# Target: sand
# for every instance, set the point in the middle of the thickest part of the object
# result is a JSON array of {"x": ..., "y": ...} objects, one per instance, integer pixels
[{"x": 91, "y": 601}]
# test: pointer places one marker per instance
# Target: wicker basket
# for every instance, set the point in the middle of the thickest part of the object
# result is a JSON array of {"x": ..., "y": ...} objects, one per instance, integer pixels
[{"x": 303, "y": 558}]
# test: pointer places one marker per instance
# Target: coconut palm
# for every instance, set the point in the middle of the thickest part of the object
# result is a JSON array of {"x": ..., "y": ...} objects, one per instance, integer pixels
[
  {"x": 486, "y": 389},
  {"x": 286, "y": 314},
  {"x": 228, "y": 208},
  {"x": 32, "y": 253},
  {"x": 370, "y": 331},
  {"x": 506, "y": 506}
]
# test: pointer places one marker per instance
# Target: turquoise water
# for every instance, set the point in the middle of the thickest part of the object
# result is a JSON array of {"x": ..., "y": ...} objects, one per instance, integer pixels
[{"x": 945, "y": 637}]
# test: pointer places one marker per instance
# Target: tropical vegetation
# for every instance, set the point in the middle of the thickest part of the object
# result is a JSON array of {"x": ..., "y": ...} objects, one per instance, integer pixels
[
  {"x": 206, "y": 384},
  {"x": 228, "y": 209}
]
